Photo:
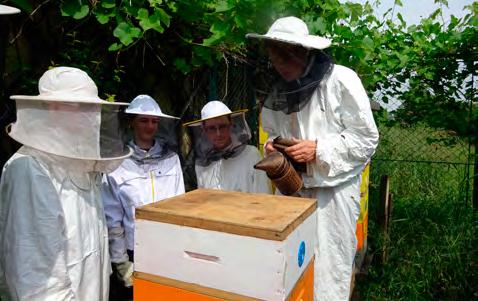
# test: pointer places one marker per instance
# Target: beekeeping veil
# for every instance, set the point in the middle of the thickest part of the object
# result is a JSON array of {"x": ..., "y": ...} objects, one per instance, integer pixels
[
  {"x": 203, "y": 148},
  {"x": 69, "y": 120},
  {"x": 8, "y": 10},
  {"x": 286, "y": 36},
  {"x": 165, "y": 138}
]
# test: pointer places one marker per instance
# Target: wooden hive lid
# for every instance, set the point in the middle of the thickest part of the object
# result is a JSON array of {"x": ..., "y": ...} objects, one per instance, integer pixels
[{"x": 259, "y": 215}]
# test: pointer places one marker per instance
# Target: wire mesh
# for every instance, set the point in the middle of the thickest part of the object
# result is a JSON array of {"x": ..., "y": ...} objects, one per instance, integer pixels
[{"x": 422, "y": 161}]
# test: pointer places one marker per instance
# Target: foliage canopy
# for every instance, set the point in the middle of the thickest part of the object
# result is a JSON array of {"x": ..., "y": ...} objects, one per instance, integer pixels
[{"x": 427, "y": 67}]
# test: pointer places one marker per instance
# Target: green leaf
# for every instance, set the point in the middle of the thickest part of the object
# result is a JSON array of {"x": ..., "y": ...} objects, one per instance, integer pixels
[
  {"x": 204, "y": 53},
  {"x": 344, "y": 32},
  {"x": 368, "y": 43},
  {"x": 102, "y": 19},
  {"x": 110, "y": 97},
  {"x": 220, "y": 27},
  {"x": 182, "y": 66},
  {"x": 241, "y": 21},
  {"x": 428, "y": 75},
  {"x": 154, "y": 3},
  {"x": 163, "y": 16},
  {"x": 444, "y": 2},
  {"x": 355, "y": 11},
  {"x": 74, "y": 9},
  {"x": 108, "y": 3},
  {"x": 149, "y": 22},
  {"x": 403, "y": 59},
  {"x": 219, "y": 30},
  {"x": 143, "y": 14},
  {"x": 130, "y": 8},
  {"x": 320, "y": 25},
  {"x": 453, "y": 22},
  {"x": 435, "y": 14},
  {"x": 402, "y": 21},
  {"x": 223, "y": 6},
  {"x": 115, "y": 47},
  {"x": 126, "y": 33},
  {"x": 103, "y": 15},
  {"x": 212, "y": 40},
  {"x": 173, "y": 7}
]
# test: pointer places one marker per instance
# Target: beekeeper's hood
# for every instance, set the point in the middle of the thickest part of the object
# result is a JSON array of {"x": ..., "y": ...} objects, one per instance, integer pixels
[
  {"x": 204, "y": 148},
  {"x": 68, "y": 119},
  {"x": 299, "y": 65},
  {"x": 146, "y": 105},
  {"x": 8, "y": 10},
  {"x": 292, "y": 30},
  {"x": 166, "y": 142}
]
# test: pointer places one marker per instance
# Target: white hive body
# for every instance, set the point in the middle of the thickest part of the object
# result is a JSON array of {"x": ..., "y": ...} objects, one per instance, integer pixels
[{"x": 199, "y": 238}]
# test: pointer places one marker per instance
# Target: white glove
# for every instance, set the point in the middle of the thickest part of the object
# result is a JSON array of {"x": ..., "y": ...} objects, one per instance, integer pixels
[{"x": 125, "y": 272}]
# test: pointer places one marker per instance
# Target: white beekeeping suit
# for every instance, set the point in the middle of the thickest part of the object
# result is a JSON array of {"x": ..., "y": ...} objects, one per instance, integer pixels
[
  {"x": 53, "y": 235},
  {"x": 325, "y": 106},
  {"x": 146, "y": 177},
  {"x": 231, "y": 165}
]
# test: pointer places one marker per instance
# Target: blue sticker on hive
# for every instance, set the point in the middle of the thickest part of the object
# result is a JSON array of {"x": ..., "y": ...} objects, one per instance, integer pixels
[{"x": 301, "y": 254}]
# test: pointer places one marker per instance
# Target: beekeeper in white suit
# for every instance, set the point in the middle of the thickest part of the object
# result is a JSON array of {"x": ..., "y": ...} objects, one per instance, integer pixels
[
  {"x": 326, "y": 109},
  {"x": 151, "y": 174},
  {"x": 53, "y": 234},
  {"x": 224, "y": 160}
]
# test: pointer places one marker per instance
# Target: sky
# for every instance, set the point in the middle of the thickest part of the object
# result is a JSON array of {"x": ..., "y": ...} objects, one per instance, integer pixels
[{"x": 413, "y": 10}]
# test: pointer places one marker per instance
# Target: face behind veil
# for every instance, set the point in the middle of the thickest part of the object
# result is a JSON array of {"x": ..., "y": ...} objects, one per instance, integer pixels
[{"x": 204, "y": 148}]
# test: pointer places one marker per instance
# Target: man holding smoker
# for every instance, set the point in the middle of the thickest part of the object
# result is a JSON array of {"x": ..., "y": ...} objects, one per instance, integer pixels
[{"x": 324, "y": 108}]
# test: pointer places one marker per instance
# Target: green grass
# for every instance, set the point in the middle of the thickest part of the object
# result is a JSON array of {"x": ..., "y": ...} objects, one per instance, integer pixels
[
  {"x": 433, "y": 238},
  {"x": 421, "y": 143}
]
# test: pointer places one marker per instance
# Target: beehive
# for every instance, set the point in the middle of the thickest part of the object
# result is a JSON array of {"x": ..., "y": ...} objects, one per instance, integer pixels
[
  {"x": 223, "y": 245},
  {"x": 362, "y": 222}
]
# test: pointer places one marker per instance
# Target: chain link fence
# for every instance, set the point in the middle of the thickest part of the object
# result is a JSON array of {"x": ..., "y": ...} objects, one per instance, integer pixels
[
  {"x": 425, "y": 163},
  {"x": 422, "y": 162},
  {"x": 229, "y": 82}
]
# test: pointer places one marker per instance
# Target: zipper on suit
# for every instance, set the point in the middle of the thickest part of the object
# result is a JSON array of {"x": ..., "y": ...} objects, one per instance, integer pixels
[{"x": 152, "y": 184}]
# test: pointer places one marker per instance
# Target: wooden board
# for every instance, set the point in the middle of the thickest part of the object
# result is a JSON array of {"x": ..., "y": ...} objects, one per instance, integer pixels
[{"x": 258, "y": 215}]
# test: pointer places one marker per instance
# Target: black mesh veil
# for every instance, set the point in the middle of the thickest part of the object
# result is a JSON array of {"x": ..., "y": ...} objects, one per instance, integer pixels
[{"x": 292, "y": 96}]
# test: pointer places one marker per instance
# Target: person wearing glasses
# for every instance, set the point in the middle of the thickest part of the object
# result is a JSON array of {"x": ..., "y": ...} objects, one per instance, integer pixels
[
  {"x": 325, "y": 109},
  {"x": 224, "y": 160}
]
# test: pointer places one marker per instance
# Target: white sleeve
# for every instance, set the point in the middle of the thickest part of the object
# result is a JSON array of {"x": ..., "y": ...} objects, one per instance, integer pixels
[
  {"x": 114, "y": 213},
  {"x": 260, "y": 181},
  {"x": 33, "y": 240},
  {"x": 353, "y": 147}
]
